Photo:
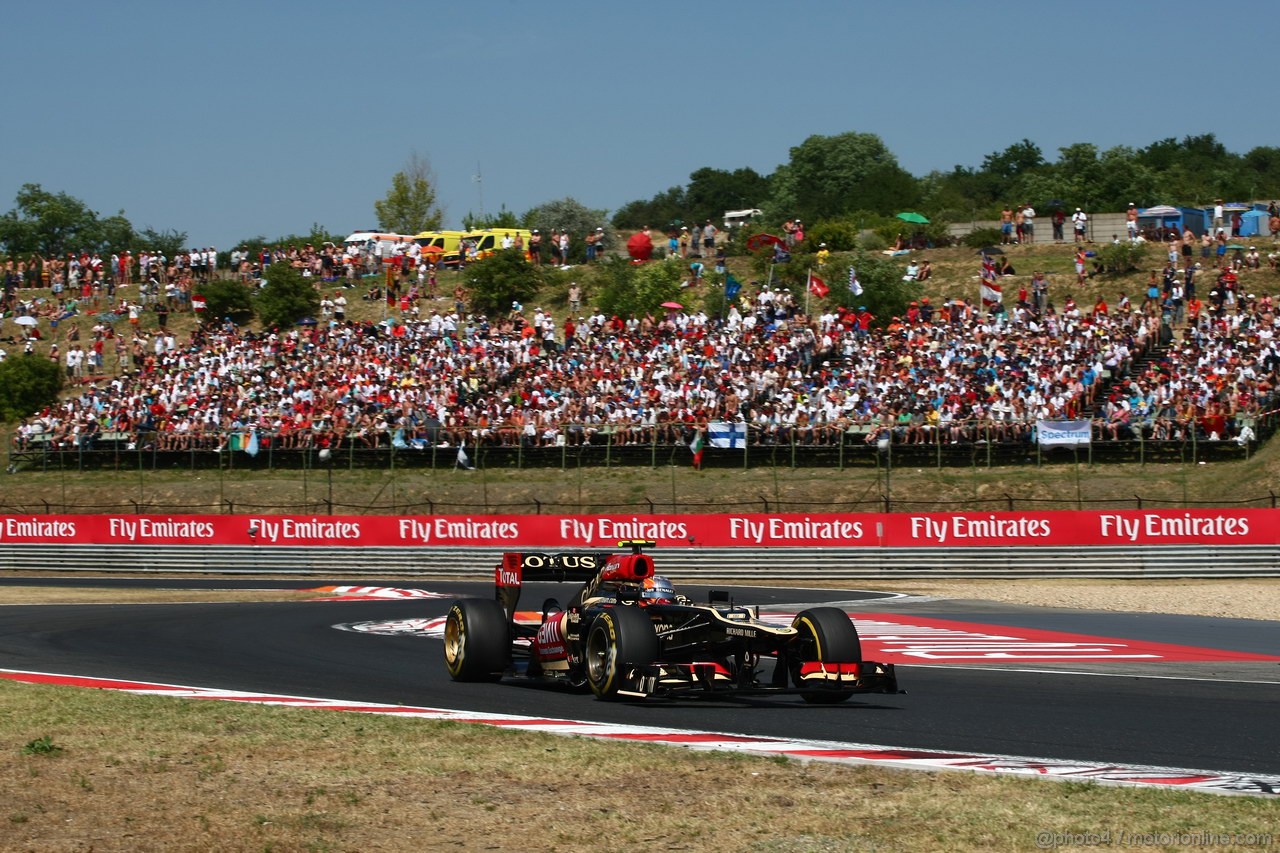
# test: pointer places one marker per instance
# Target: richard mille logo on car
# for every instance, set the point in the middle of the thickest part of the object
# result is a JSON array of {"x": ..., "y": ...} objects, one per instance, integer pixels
[{"x": 740, "y": 632}]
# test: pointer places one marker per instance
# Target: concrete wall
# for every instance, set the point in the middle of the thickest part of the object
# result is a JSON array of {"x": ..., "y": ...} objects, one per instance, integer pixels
[{"x": 1101, "y": 227}]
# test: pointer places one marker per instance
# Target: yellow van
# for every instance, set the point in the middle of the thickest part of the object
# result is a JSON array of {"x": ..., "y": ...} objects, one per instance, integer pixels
[
  {"x": 442, "y": 246},
  {"x": 484, "y": 243}
]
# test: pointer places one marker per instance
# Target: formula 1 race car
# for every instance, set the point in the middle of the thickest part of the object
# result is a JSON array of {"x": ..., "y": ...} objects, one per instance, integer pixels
[{"x": 626, "y": 634}]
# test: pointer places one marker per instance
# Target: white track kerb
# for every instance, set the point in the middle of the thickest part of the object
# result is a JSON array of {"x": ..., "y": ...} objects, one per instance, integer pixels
[{"x": 844, "y": 753}]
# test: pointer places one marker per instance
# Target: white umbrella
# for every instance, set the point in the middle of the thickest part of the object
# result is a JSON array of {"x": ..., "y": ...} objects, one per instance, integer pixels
[{"x": 25, "y": 321}]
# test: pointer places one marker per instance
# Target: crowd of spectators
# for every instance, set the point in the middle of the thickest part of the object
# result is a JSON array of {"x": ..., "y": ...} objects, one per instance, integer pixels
[{"x": 438, "y": 375}]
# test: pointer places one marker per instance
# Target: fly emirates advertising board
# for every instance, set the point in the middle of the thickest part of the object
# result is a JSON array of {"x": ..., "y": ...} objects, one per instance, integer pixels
[{"x": 830, "y": 530}]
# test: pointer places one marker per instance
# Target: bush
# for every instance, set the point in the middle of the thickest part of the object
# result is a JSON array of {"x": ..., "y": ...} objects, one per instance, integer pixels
[
  {"x": 1121, "y": 258},
  {"x": 28, "y": 383},
  {"x": 636, "y": 289},
  {"x": 980, "y": 237},
  {"x": 286, "y": 298},
  {"x": 870, "y": 241},
  {"x": 500, "y": 279},
  {"x": 840, "y": 235},
  {"x": 226, "y": 298}
]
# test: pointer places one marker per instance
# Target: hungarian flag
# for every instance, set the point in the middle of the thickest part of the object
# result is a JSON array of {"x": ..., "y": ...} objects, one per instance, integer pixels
[
  {"x": 197, "y": 302},
  {"x": 818, "y": 287},
  {"x": 699, "y": 439}
]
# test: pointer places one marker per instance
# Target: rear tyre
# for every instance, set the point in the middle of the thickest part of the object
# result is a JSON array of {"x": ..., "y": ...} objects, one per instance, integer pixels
[
  {"x": 619, "y": 636},
  {"x": 477, "y": 640},
  {"x": 826, "y": 635}
]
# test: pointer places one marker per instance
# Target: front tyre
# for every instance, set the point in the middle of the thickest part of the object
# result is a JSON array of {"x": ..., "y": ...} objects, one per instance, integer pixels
[
  {"x": 477, "y": 640},
  {"x": 826, "y": 636},
  {"x": 620, "y": 639}
]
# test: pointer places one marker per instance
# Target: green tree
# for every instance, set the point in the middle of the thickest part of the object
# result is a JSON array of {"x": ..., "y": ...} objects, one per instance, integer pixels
[
  {"x": 502, "y": 219},
  {"x": 48, "y": 223},
  {"x": 828, "y": 176},
  {"x": 1263, "y": 167},
  {"x": 286, "y": 297},
  {"x": 1005, "y": 167},
  {"x": 115, "y": 233},
  {"x": 500, "y": 279},
  {"x": 227, "y": 298},
  {"x": 1122, "y": 179},
  {"x": 656, "y": 212},
  {"x": 631, "y": 289},
  {"x": 27, "y": 384},
  {"x": 167, "y": 243},
  {"x": 1078, "y": 166},
  {"x": 568, "y": 214},
  {"x": 410, "y": 207},
  {"x": 713, "y": 191}
]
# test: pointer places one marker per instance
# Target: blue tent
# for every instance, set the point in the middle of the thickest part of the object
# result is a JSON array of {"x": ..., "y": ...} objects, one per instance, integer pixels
[
  {"x": 1161, "y": 217},
  {"x": 1255, "y": 223}
]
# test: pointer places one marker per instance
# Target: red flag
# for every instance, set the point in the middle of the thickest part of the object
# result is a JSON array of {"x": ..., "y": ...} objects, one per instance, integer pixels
[
  {"x": 991, "y": 295},
  {"x": 818, "y": 287},
  {"x": 990, "y": 288}
]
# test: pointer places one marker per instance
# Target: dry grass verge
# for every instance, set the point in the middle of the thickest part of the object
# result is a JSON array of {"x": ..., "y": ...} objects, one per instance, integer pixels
[
  {"x": 113, "y": 772},
  {"x": 116, "y": 595}
]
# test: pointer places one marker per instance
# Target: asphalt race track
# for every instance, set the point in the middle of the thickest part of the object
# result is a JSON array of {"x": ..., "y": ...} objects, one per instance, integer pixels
[{"x": 1214, "y": 711}]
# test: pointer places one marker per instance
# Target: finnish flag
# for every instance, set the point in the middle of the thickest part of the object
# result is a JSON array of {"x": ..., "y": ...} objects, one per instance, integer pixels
[{"x": 725, "y": 434}]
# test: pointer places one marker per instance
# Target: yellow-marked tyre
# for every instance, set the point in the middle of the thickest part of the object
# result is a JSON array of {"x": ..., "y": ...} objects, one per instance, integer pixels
[
  {"x": 477, "y": 640},
  {"x": 619, "y": 639},
  {"x": 825, "y": 635}
]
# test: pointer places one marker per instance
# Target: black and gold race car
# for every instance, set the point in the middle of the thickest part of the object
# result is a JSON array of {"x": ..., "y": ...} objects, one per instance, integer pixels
[{"x": 626, "y": 634}]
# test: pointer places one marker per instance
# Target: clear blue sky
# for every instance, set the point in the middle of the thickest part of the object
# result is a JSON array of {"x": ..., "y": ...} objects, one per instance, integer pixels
[{"x": 231, "y": 119}]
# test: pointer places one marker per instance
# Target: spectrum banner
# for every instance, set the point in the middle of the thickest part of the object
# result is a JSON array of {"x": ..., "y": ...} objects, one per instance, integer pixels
[
  {"x": 1064, "y": 433},
  {"x": 522, "y": 532}
]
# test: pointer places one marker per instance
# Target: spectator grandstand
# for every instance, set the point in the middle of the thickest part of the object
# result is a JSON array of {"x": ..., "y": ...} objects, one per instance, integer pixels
[{"x": 934, "y": 378}]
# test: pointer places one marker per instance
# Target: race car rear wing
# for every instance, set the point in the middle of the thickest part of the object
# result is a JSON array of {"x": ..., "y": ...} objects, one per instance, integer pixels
[{"x": 568, "y": 566}]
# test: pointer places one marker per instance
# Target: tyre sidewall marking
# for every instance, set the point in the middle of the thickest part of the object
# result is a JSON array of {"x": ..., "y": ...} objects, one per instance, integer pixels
[
  {"x": 455, "y": 662},
  {"x": 813, "y": 632}
]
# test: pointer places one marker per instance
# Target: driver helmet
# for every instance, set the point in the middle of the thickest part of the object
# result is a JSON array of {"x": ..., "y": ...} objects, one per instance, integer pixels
[{"x": 658, "y": 590}]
